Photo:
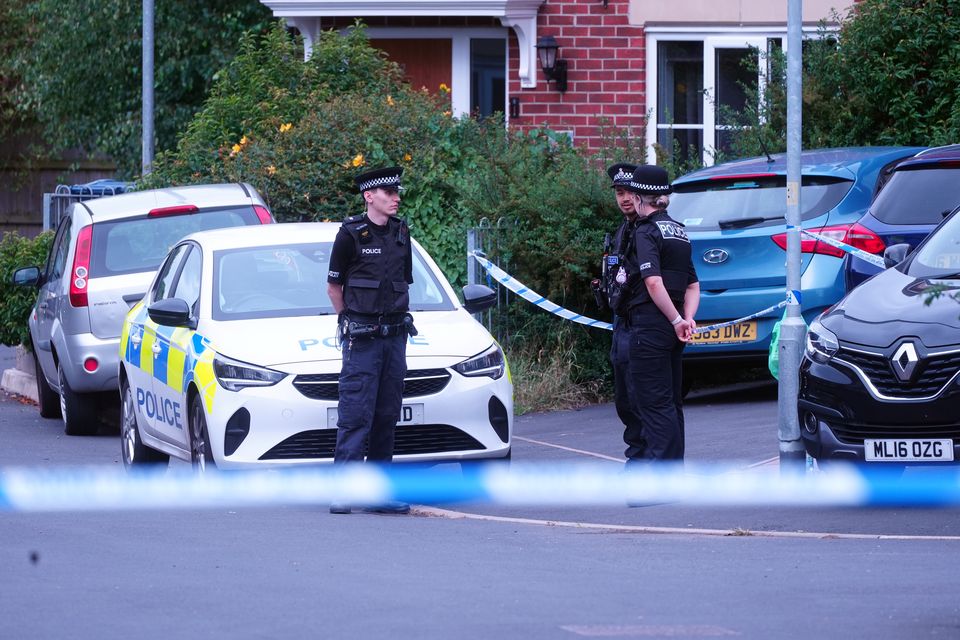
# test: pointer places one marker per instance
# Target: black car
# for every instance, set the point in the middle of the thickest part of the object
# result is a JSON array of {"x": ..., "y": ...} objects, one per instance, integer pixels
[{"x": 880, "y": 375}]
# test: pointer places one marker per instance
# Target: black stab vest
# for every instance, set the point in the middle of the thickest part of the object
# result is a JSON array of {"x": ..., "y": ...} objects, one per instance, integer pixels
[{"x": 376, "y": 282}]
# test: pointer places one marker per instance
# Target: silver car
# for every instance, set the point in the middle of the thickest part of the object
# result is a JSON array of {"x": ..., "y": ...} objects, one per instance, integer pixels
[{"x": 102, "y": 260}]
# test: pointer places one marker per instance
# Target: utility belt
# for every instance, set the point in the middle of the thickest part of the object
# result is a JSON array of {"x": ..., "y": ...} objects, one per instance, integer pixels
[
  {"x": 647, "y": 312},
  {"x": 355, "y": 325}
]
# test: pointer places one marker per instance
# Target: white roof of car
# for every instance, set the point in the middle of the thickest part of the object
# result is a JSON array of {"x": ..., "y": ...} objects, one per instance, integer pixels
[
  {"x": 268, "y": 234},
  {"x": 139, "y": 203}
]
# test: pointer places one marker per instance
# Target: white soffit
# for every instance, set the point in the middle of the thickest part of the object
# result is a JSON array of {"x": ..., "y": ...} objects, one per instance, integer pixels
[{"x": 519, "y": 15}]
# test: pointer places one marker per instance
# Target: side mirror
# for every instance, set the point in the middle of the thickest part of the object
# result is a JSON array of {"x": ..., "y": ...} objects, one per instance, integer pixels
[
  {"x": 895, "y": 254},
  {"x": 27, "y": 277},
  {"x": 171, "y": 312},
  {"x": 478, "y": 297}
]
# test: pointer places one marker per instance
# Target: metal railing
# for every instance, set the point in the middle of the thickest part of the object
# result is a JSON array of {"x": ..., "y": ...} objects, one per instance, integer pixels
[
  {"x": 56, "y": 204},
  {"x": 491, "y": 239}
]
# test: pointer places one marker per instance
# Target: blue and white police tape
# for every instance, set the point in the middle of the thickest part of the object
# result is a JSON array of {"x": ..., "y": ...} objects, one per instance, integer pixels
[
  {"x": 873, "y": 259},
  {"x": 582, "y": 484},
  {"x": 532, "y": 296}
]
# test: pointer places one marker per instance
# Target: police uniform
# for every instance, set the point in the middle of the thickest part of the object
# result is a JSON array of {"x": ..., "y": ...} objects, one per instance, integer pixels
[
  {"x": 373, "y": 264},
  {"x": 621, "y": 273},
  {"x": 655, "y": 361}
]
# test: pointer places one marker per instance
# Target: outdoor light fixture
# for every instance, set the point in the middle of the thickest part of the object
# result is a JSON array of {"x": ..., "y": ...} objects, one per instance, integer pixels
[
  {"x": 555, "y": 69},
  {"x": 514, "y": 107}
]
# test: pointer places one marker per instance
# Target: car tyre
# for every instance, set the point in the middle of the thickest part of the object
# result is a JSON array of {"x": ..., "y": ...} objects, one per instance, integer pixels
[
  {"x": 201, "y": 454},
  {"x": 47, "y": 398},
  {"x": 133, "y": 451},
  {"x": 79, "y": 414}
]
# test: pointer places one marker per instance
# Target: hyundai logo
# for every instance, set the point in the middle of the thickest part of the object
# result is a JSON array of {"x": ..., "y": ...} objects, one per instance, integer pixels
[
  {"x": 904, "y": 361},
  {"x": 715, "y": 256}
]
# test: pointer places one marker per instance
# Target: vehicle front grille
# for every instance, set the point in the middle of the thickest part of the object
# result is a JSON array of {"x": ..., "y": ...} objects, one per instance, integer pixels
[
  {"x": 932, "y": 374},
  {"x": 418, "y": 382},
  {"x": 412, "y": 439},
  {"x": 856, "y": 433}
]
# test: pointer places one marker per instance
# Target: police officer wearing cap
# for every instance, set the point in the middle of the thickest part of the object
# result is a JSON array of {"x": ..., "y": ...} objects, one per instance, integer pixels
[
  {"x": 660, "y": 314},
  {"x": 370, "y": 273},
  {"x": 620, "y": 273}
]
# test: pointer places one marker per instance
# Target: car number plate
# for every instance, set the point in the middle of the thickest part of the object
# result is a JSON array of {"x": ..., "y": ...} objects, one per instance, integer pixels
[
  {"x": 907, "y": 450},
  {"x": 740, "y": 332},
  {"x": 409, "y": 414}
]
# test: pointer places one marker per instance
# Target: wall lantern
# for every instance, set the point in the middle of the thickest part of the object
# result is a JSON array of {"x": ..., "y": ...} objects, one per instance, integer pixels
[{"x": 553, "y": 68}]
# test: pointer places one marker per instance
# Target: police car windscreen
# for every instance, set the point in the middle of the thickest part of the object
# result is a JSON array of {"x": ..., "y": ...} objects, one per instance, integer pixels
[{"x": 291, "y": 280}]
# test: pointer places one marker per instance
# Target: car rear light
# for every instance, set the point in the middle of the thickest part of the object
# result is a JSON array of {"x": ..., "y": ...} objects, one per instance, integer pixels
[
  {"x": 177, "y": 210},
  {"x": 855, "y": 235},
  {"x": 90, "y": 364},
  {"x": 263, "y": 214},
  {"x": 80, "y": 274}
]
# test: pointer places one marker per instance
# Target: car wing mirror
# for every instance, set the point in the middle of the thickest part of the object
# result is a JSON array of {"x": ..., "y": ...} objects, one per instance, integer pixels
[
  {"x": 171, "y": 312},
  {"x": 478, "y": 297},
  {"x": 27, "y": 277},
  {"x": 895, "y": 254}
]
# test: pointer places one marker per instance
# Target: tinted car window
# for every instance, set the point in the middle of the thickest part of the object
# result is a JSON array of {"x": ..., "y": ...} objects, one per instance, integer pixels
[
  {"x": 919, "y": 195},
  {"x": 133, "y": 245},
  {"x": 291, "y": 280},
  {"x": 59, "y": 252},
  {"x": 162, "y": 289},
  {"x": 188, "y": 284},
  {"x": 705, "y": 204}
]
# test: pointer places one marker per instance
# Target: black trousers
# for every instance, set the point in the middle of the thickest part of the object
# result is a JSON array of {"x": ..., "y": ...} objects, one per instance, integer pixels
[
  {"x": 371, "y": 398},
  {"x": 656, "y": 373},
  {"x": 623, "y": 393}
]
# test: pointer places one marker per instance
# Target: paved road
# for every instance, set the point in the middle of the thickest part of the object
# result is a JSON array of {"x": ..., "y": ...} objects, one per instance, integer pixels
[{"x": 301, "y": 572}]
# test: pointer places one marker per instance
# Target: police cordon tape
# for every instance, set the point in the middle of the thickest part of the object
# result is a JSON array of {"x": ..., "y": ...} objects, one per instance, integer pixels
[
  {"x": 875, "y": 260},
  {"x": 579, "y": 484},
  {"x": 532, "y": 296}
]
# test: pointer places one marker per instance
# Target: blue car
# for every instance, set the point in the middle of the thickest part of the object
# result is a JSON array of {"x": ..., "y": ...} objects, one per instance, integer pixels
[
  {"x": 734, "y": 216},
  {"x": 922, "y": 191}
]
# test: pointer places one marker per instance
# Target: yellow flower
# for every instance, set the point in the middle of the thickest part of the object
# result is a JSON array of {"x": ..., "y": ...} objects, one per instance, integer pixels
[
  {"x": 243, "y": 141},
  {"x": 447, "y": 113},
  {"x": 407, "y": 157},
  {"x": 235, "y": 149},
  {"x": 444, "y": 87},
  {"x": 390, "y": 100},
  {"x": 271, "y": 170},
  {"x": 358, "y": 160},
  {"x": 286, "y": 127}
]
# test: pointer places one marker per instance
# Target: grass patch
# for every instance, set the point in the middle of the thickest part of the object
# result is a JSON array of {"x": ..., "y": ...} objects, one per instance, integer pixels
[{"x": 543, "y": 378}]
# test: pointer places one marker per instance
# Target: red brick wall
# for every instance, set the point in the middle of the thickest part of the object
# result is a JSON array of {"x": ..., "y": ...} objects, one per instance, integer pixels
[{"x": 606, "y": 61}]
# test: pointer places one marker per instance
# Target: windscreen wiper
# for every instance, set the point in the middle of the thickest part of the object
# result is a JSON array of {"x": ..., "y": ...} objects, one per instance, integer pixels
[{"x": 740, "y": 223}]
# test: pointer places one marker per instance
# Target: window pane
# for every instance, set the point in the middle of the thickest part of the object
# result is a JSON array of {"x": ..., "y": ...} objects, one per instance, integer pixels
[
  {"x": 736, "y": 73},
  {"x": 488, "y": 62},
  {"x": 680, "y": 83},
  {"x": 683, "y": 145}
]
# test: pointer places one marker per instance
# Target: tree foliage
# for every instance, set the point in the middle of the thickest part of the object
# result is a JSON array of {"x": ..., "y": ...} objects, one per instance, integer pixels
[{"x": 78, "y": 66}]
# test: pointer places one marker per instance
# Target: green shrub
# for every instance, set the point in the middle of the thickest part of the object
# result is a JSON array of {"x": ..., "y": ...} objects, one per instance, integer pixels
[{"x": 16, "y": 302}]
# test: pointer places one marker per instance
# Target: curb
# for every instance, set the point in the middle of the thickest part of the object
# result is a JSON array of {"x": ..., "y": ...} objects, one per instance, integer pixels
[{"x": 20, "y": 383}]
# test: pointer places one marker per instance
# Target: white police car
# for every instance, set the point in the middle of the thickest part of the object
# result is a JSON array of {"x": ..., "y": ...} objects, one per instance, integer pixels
[{"x": 231, "y": 359}]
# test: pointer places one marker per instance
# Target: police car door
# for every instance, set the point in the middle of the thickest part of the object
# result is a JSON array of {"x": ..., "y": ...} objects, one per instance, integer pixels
[
  {"x": 150, "y": 408},
  {"x": 171, "y": 347}
]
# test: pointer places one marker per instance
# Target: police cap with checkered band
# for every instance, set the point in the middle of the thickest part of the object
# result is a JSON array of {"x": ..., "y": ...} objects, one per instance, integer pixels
[
  {"x": 649, "y": 179},
  {"x": 621, "y": 174},
  {"x": 386, "y": 178}
]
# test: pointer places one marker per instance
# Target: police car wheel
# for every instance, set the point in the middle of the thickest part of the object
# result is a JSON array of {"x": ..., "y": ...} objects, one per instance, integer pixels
[
  {"x": 79, "y": 414},
  {"x": 47, "y": 398},
  {"x": 133, "y": 452},
  {"x": 200, "y": 452}
]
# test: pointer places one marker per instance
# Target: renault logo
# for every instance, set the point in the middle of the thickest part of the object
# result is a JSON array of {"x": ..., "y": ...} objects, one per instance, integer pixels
[
  {"x": 904, "y": 361},
  {"x": 715, "y": 256}
]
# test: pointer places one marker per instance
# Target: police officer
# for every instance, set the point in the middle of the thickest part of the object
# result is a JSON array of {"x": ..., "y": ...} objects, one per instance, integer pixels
[
  {"x": 620, "y": 273},
  {"x": 660, "y": 314},
  {"x": 370, "y": 273}
]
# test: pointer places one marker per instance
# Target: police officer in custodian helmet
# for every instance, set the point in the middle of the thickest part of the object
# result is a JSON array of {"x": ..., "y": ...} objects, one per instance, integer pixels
[
  {"x": 660, "y": 314},
  {"x": 370, "y": 273}
]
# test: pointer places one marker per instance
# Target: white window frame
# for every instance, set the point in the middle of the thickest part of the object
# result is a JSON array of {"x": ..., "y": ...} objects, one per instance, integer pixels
[
  {"x": 713, "y": 38},
  {"x": 460, "y": 64}
]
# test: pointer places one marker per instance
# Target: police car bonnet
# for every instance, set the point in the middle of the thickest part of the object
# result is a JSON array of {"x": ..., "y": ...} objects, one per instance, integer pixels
[
  {"x": 386, "y": 178},
  {"x": 621, "y": 174},
  {"x": 650, "y": 179}
]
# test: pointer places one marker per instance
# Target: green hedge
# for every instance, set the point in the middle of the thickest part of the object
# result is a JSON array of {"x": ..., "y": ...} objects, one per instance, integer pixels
[{"x": 16, "y": 302}]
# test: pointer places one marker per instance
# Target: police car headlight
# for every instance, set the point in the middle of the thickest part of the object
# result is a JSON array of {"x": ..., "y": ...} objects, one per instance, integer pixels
[
  {"x": 489, "y": 363},
  {"x": 235, "y": 375},
  {"x": 822, "y": 344}
]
